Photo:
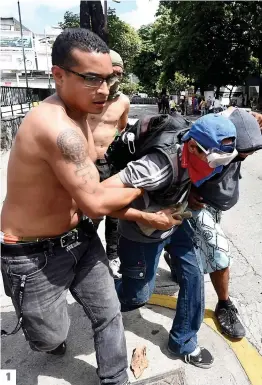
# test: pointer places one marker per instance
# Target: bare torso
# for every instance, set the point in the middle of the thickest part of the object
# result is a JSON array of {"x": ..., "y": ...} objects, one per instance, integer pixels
[
  {"x": 36, "y": 203},
  {"x": 105, "y": 125}
]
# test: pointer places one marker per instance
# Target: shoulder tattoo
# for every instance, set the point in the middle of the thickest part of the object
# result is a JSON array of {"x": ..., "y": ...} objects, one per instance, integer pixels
[{"x": 72, "y": 146}]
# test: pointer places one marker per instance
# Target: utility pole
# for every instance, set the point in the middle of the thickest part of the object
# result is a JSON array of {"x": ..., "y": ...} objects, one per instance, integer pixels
[
  {"x": 23, "y": 48},
  {"x": 105, "y": 11},
  {"x": 85, "y": 16},
  {"x": 92, "y": 17},
  {"x": 105, "y": 17},
  {"x": 47, "y": 61}
]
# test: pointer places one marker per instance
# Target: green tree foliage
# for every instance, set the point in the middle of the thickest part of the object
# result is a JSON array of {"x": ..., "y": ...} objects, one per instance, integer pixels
[
  {"x": 178, "y": 83},
  {"x": 209, "y": 42},
  {"x": 122, "y": 37},
  {"x": 254, "y": 16},
  {"x": 212, "y": 41},
  {"x": 71, "y": 20},
  {"x": 128, "y": 87},
  {"x": 147, "y": 65}
]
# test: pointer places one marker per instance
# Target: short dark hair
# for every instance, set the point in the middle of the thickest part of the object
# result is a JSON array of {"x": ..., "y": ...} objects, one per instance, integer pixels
[{"x": 71, "y": 38}]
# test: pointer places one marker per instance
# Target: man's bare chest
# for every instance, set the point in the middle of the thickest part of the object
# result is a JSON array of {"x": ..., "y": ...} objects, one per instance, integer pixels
[{"x": 110, "y": 116}]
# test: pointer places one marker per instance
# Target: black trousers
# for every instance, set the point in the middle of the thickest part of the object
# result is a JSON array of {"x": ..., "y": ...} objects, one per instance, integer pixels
[{"x": 111, "y": 233}]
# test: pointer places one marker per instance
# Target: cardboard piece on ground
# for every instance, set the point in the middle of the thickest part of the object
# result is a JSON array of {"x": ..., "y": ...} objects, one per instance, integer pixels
[{"x": 139, "y": 361}]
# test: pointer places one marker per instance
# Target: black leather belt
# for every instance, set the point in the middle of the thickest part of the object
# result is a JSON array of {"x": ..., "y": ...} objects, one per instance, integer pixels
[{"x": 83, "y": 230}]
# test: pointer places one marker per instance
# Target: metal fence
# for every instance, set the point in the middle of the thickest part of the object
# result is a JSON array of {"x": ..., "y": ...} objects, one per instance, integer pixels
[
  {"x": 15, "y": 103},
  {"x": 14, "y": 99},
  {"x": 15, "y": 95},
  {"x": 139, "y": 100}
]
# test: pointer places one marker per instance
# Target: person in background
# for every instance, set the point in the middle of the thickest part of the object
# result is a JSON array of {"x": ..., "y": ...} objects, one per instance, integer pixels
[
  {"x": 208, "y": 104},
  {"x": 182, "y": 106},
  {"x": 202, "y": 107},
  {"x": 195, "y": 105},
  {"x": 159, "y": 103},
  {"x": 105, "y": 126}
]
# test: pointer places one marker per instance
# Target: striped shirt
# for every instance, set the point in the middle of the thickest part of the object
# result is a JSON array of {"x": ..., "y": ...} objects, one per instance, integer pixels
[{"x": 152, "y": 172}]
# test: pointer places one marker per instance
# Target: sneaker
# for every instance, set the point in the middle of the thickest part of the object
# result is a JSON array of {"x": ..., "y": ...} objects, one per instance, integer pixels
[
  {"x": 171, "y": 266},
  {"x": 202, "y": 360},
  {"x": 59, "y": 351},
  {"x": 229, "y": 322},
  {"x": 114, "y": 265}
]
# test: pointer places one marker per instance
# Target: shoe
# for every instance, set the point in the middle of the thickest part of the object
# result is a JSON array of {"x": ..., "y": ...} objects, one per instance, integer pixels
[
  {"x": 171, "y": 266},
  {"x": 114, "y": 265},
  {"x": 59, "y": 351},
  {"x": 229, "y": 322},
  {"x": 202, "y": 360}
]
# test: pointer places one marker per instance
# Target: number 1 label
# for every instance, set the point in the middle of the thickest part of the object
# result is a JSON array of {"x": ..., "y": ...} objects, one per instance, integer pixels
[{"x": 8, "y": 377}]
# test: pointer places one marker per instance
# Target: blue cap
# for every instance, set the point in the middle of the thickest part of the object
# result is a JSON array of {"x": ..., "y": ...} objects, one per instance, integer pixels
[{"x": 210, "y": 130}]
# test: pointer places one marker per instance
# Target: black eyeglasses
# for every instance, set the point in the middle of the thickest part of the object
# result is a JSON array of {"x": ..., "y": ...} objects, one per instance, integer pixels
[
  {"x": 119, "y": 75},
  {"x": 93, "y": 81}
]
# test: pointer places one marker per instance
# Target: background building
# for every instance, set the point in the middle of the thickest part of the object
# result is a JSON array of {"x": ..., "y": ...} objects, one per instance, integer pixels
[{"x": 37, "y": 53}]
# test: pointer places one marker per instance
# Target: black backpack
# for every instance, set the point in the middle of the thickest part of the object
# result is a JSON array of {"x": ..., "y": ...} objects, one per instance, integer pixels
[{"x": 145, "y": 136}]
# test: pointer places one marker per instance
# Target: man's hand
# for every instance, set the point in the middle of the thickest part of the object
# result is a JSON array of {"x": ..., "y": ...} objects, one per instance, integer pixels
[
  {"x": 258, "y": 118},
  {"x": 162, "y": 220},
  {"x": 195, "y": 202}
]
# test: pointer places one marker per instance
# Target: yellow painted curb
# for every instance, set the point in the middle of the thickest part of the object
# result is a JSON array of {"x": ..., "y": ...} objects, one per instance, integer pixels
[{"x": 247, "y": 355}]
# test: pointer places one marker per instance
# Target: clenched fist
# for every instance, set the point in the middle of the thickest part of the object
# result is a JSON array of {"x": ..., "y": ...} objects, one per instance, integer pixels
[
  {"x": 258, "y": 118},
  {"x": 162, "y": 220}
]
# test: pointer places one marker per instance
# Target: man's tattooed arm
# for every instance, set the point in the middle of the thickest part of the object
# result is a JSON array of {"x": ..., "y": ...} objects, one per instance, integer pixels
[
  {"x": 74, "y": 150},
  {"x": 67, "y": 154}
]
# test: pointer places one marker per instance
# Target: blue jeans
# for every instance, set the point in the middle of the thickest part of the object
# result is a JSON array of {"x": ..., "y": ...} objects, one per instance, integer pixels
[
  {"x": 139, "y": 262},
  {"x": 51, "y": 269}
]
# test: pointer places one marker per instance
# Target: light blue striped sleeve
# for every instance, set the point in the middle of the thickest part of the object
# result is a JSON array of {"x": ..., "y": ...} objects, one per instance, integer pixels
[{"x": 151, "y": 172}]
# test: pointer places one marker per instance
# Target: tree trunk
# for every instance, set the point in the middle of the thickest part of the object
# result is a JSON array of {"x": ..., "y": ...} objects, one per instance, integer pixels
[
  {"x": 98, "y": 19},
  {"x": 196, "y": 85},
  {"x": 85, "y": 17},
  {"x": 92, "y": 17},
  {"x": 217, "y": 92},
  {"x": 260, "y": 84},
  {"x": 202, "y": 89},
  {"x": 260, "y": 94},
  {"x": 230, "y": 94}
]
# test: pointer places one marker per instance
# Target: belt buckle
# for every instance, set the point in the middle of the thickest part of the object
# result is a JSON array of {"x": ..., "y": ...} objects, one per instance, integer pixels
[{"x": 69, "y": 238}]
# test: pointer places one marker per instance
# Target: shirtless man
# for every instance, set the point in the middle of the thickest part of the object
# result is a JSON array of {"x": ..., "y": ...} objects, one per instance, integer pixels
[
  {"x": 104, "y": 127},
  {"x": 46, "y": 246}
]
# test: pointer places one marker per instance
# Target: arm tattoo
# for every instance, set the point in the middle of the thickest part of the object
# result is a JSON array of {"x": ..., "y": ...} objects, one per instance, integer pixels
[
  {"x": 74, "y": 150},
  {"x": 72, "y": 146}
]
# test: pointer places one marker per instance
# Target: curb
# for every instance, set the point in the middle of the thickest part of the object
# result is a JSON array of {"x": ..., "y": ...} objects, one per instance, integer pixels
[{"x": 248, "y": 356}]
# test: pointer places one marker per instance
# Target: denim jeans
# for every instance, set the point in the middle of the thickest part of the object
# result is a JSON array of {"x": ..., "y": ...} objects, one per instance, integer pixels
[
  {"x": 50, "y": 271},
  {"x": 111, "y": 234},
  {"x": 139, "y": 262}
]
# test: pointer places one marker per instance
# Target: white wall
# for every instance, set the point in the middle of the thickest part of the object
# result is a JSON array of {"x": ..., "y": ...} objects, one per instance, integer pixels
[
  {"x": 39, "y": 46},
  {"x": 32, "y": 82}
]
